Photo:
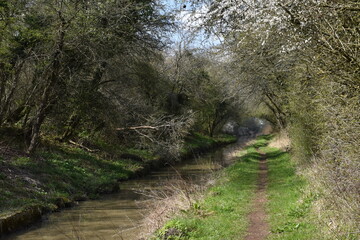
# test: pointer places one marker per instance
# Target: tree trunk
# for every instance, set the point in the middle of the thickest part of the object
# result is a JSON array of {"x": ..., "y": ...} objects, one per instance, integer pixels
[
  {"x": 73, "y": 122},
  {"x": 51, "y": 82},
  {"x": 7, "y": 100},
  {"x": 280, "y": 120},
  {"x": 3, "y": 78}
]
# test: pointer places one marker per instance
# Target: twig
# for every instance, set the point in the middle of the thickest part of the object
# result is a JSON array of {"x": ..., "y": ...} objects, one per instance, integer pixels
[
  {"x": 143, "y": 127},
  {"x": 83, "y": 147}
]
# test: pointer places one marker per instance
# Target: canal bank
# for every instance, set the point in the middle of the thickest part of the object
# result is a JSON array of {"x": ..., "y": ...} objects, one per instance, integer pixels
[{"x": 47, "y": 184}]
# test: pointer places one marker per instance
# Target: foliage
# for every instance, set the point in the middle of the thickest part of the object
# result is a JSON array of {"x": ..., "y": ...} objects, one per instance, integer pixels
[
  {"x": 198, "y": 85},
  {"x": 59, "y": 62},
  {"x": 198, "y": 141},
  {"x": 301, "y": 61},
  {"x": 94, "y": 73}
]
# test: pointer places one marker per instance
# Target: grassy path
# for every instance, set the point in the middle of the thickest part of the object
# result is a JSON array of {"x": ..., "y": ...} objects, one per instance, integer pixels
[
  {"x": 258, "y": 227},
  {"x": 249, "y": 202}
]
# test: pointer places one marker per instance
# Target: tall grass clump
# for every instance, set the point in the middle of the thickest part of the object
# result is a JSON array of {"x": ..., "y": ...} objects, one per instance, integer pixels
[{"x": 177, "y": 195}]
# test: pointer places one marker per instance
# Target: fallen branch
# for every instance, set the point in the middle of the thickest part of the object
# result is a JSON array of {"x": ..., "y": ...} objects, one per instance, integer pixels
[
  {"x": 83, "y": 147},
  {"x": 143, "y": 127},
  {"x": 136, "y": 128}
]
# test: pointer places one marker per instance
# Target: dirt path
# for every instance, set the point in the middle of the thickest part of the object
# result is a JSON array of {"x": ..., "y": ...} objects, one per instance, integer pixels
[{"x": 259, "y": 228}]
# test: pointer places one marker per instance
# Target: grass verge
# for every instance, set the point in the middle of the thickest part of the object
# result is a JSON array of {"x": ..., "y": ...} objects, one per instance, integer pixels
[
  {"x": 290, "y": 202},
  {"x": 222, "y": 214}
]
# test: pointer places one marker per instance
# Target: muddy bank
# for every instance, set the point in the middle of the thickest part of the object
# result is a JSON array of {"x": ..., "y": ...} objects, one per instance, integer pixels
[{"x": 29, "y": 215}]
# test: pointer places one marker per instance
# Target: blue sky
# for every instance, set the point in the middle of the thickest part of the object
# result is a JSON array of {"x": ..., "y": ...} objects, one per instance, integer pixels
[{"x": 187, "y": 24}]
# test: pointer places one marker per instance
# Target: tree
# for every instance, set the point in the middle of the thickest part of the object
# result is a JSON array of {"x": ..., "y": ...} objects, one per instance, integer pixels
[
  {"x": 303, "y": 59},
  {"x": 53, "y": 50}
]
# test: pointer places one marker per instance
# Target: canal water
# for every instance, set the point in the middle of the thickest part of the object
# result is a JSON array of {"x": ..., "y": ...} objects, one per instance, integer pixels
[{"x": 121, "y": 215}]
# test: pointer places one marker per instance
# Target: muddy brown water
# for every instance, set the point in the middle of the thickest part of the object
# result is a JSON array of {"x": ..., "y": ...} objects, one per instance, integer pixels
[{"x": 120, "y": 215}]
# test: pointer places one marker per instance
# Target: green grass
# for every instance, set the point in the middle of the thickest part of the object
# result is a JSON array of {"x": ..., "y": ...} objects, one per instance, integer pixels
[
  {"x": 289, "y": 203},
  {"x": 59, "y": 174},
  {"x": 223, "y": 213}
]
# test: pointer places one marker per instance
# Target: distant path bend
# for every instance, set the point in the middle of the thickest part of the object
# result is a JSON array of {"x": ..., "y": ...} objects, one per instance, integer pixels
[{"x": 258, "y": 226}]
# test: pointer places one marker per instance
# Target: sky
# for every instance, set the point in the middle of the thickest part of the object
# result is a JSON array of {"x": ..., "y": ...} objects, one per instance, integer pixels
[{"x": 189, "y": 20}]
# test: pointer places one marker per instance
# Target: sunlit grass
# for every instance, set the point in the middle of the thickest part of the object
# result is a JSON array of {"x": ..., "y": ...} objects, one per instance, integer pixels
[
  {"x": 223, "y": 213},
  {"x": 289, "y": 205}
]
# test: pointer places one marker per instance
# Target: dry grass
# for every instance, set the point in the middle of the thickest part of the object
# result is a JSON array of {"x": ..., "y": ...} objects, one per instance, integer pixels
[
  {"x": 179, "y": 194},
  {"x": 182, "y": 193},
  {"x": 268, "y": 129},
  {"x": 281, "y": 141},
  {"x": 331, "y": 164},
  {"x": 338, "y": 209}
]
